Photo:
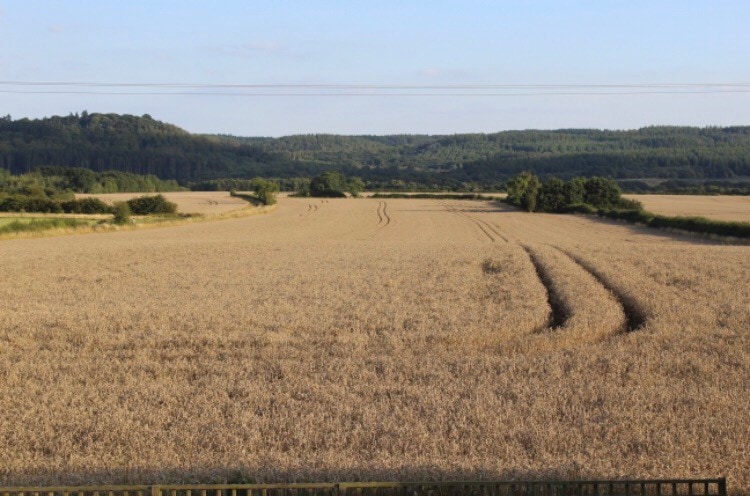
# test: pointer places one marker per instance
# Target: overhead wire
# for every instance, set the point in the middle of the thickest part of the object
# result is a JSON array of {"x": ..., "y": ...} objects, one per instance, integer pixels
[{"x": 366, "y": 90}]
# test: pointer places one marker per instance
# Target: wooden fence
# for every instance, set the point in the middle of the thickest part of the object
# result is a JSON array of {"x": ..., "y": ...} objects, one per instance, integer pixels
[{"x": 661, "y": 487}]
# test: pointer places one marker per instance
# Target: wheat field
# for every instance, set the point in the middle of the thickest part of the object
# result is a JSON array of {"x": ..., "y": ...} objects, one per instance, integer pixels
[
  {"x": 188, "y": 202},
  {"x": 363, "y": 339},
  {"x": 730, "y": 208}
]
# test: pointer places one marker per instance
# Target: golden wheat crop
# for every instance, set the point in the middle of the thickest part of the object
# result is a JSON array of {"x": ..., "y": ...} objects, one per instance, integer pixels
[
  {"x": 362, "y": 339},
  {"x": 732, "y": 208},
  {"x": 188, "y": 202}
]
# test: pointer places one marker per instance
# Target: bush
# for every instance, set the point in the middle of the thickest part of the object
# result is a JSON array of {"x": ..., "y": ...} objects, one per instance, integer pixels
[
  {"x": 265, "y": 191},
  {"x": 42, "y": 205},
  {"x": 329, "y": 185},
  {"x": 150, "y": 205},
  {"x": 21, "y": 203},
  {"x": 122, "y": 213},
  {"x": 85, "y": 206}
]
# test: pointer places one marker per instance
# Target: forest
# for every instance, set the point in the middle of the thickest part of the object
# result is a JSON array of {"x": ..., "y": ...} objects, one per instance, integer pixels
[{"x": 143, "y": 145}]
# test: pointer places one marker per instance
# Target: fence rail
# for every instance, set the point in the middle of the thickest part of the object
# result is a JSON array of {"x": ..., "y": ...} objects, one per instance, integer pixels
[{"x": 652, "y": 487}]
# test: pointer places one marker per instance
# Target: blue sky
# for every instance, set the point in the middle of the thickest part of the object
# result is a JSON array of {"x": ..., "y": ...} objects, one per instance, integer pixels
[{"x": 384, "y": 42}]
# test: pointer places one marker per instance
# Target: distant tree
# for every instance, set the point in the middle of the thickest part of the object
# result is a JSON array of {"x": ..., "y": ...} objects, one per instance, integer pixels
[
  {"x": 523, "y": 190},
  {"x": 601, "y": 192},
  {"x": 122, "y": 213},
  {"x": 575, "y": 191},
  {"x": 556, "y": 195},
  {"x": 356, "y": 186},
  {"x": 328, "y": 184},
  {"x": 552, "y": 196},
  {"x": 265, "y": 190}
]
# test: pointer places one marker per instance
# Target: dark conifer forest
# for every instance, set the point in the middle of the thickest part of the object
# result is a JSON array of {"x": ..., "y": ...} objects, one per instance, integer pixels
[{"x": 143, "y": 145}]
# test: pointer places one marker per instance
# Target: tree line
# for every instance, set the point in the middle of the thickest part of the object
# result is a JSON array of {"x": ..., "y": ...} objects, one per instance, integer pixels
[
  {"x": 468, "y": 162},
  {"x": 53, "y": 190},
  {"x": 555, "y": 195}
]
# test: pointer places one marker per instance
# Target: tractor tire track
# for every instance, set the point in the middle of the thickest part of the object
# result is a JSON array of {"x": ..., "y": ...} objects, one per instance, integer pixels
[
  {"x": 489, "y": 226},
  {"x": 385, "y": 214},
  {"x": 635, "y": 316},
  {"x": 559, "y": 312},
  {"x": 483, "y": 226},
  {"x": 309, "y": 209}
]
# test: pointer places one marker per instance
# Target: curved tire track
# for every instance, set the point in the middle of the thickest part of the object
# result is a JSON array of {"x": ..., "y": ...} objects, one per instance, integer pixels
[
  {"x": 635, "y": 316},
  {"x": 385, "y": 214},
  {"x": 559, "y": 311}
]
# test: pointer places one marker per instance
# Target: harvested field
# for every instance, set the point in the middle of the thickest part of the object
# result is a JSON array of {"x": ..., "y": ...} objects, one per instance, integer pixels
[
  {"x": 188, "y": 202},
  {"x": 731, "y": 208},
  {"x": 361, "y": 339}
]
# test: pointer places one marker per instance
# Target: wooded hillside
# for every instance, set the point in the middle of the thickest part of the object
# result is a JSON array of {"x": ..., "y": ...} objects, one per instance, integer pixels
[{"x": 143, "y": 145}]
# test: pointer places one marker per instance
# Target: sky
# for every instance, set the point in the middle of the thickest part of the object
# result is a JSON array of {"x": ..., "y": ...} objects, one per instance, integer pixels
[{"x": 384, "y": 42}]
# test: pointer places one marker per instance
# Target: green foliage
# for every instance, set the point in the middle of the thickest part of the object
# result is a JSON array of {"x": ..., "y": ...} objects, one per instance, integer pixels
[
  {"x": 41, "y": 225},
  {"x": 121, "y": 212},
  {"x": 80, "y": 180},
  {"x": 21, "y": 203},
  {"x": 265, "y": 191},
  {"x": 556, "y": 195},
  {"x": 575, "y": 191},
  {"x": 553, "y": 196},
  {"x": 50, "y": 189},
  {"x": 284, "y": 184},
  {"x": 434, "y": 196},
  {"x": 328, "y": 184},
  {"x": 464, "y": 162},
  {"x": 698, "y": 225},
  {"x": 85, "y": 206},
  {"x": 601, "y": 192},
  {"x": 523, "y": 191},
  {"x": 356, "y": 186},
  {"x": 151, "y": 205},
  {"x": 684, "y": 187}
]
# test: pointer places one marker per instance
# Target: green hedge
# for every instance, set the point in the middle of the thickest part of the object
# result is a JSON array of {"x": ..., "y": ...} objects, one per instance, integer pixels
[
  {"x": 699, "y": 225},
  {"x": 22, "y": 203},
  {"x": 149, "y": 205}
]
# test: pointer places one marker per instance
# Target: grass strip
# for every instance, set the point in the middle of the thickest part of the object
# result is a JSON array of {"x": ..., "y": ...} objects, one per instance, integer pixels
[{"x": 36, "y": 225}]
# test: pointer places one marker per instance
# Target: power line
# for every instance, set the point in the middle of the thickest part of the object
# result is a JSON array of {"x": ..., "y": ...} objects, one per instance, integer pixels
[
  {"x": 375, "y": 86},
  {"x": 371, "y": 94}
]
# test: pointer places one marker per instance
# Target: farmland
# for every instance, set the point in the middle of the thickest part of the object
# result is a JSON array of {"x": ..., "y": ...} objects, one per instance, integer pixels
[
  {"x": 370, "y": 339},
  {"x": 193, "y": 202},
  {"x": 731, "y": 208}
]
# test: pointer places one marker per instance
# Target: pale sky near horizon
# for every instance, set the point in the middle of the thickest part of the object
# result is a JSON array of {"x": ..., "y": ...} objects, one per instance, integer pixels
[{"x": 384, "y": 42}]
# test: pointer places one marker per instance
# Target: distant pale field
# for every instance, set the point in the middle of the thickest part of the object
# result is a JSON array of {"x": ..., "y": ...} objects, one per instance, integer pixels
[
  {"x": 365, "y": 339},
  {"x": 733, "y": 208},
  {"x": 188, "y": 202}
]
